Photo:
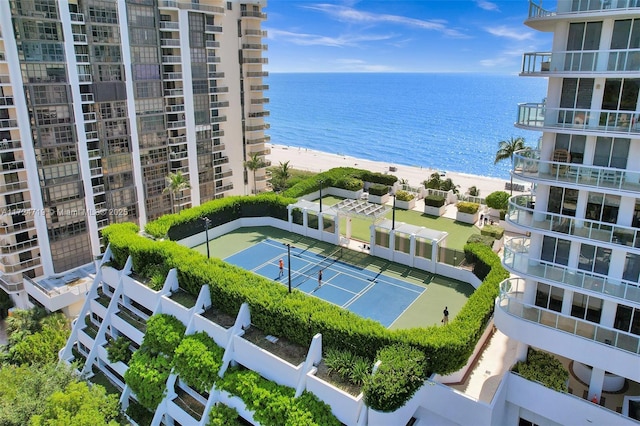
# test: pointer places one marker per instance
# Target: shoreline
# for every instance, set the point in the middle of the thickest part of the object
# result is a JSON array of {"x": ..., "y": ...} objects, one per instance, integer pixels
[{"x": 319, "y": 161}]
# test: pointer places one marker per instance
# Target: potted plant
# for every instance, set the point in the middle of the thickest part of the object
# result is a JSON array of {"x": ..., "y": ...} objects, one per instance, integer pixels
[
  {"x": 467, "y": 212},
  {"x": 405, "y": 200},
  {"x": 434, "y": 205},
  {"x": 378, "y": 193}
]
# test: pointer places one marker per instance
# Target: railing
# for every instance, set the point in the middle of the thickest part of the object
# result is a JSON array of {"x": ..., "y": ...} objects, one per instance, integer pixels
[
  {"x": 6, "y": 100},
  {"x": 172, "y": 76},
  {"x": 258, "y": 127},
  {"x": 571, "y": 7},
  {"x": 212, "y": 29},
  {"x": 168, "y": 25},
  {"x": 170, "y": 42},
  {"x": 527, "y": 165},
  {"x": 213, "y": 59},
  {"x": 218, "y": 104},
  {"x": 218, "y": 161},
  {"x": 173, "y": 92},
  {"x": 510, "y": 303},
  {"x": 218, "y": 148},
  {"x": 521, "y": 212},
  {"x": 253, "y": 46},
  {"x": 518, "y": 258},
  {"x": 20, "y": 266},
  {"x": 217, "y": 133},
  {"x": 10, "y": 287},
  {"x": 12, "y": 144},
  {"x": 96, "y": 171},
  {"x": 89, "y": 116},
  {"x": 258, "y": 140},
  {"x": 257, "y": 73},
  {"x": 80, "y": 38},
  {"x": 253, "y": 14},
  {"x": 538, "y": 115},
  {"x": 5, "y": 79},
  {"x": 176, "y": 124},
  {"x": 218, "y": 118},
  {"x": 174, "y": 108},
  {"x": 216, "y": 75},
  {"x": 178, "y": 155},
  {"x": 14, "y": 186},
  {"x": 252, "y": 32},
  {"x": 177, "y": 140},
  {"x": 255, "y": 60},
  {"x": 8, "y": 123},
  {"x": 13, "y": 165},
  {"x": 259, "y": 114},
  {"x": 7, "y": 248},
  {"x": 77, "y": 17},
  {"x": 259, "y": 87},
  {"x": 219, "y": 89},
  {"x": 258, "y": 101},
  {"x": 222, "y": 175},
  {"x": 17, "y": 227},
  {"x": 212, "y": 44},
  {"x": 86, "y": 97},
  {"x": 172, "y": 59},
  {"x": 85, "y": 78},
  {"x": 619, "y": 60},
  {"x": 92, "y": 135}
]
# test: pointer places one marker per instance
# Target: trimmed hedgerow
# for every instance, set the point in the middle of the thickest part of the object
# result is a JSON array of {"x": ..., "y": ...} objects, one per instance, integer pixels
[
  {"x": 481, "y": 239},
  {"x": 349, "y": 183},
  {"x": 434, "y": 200},
  {"x": 377, "y": 189},
  {"x": 494, "y": 231},
  {"x": 468, "y": 207},
  {"x": 379, "y": 178},
  {"x": 299, "y": 317},
  {"x": 340, "y": 177}
]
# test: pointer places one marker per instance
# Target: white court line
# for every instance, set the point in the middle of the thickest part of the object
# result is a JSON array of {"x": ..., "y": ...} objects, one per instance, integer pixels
[{"x": 405, "y": 310}]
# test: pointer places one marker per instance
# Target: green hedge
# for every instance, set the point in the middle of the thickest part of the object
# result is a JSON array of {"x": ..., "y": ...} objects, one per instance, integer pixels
[
  {"x": 434, "y": 200},
  {"x": 197, "y": 361},
  {"x": 481, "y": 239},
  {"x": 379, "y": 178},
  {"x": 299, "y": 317},
  {"x": 377, "y": 189},
  {"x": 349, "y": 184},
  {"x": 468, "y": 207},
  {"x": 347, "y": 178},
  {"x": 494, "y": 231}
]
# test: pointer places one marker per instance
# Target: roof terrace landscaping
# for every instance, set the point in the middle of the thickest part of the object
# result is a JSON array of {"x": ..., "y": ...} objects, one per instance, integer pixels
[{"x": 298, "y": 317}]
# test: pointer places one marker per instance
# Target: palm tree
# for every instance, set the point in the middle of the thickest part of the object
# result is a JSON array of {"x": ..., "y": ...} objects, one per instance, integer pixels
[
  {"x": 281, "y": 176},
  {"x": 506, "y": 150},
  {"x": 254, "y": 163},
  {"x": 176, "y": 183}
]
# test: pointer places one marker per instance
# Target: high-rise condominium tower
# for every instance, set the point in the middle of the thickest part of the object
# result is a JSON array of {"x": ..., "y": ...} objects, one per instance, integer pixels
[{"x": 102, "y": 100}]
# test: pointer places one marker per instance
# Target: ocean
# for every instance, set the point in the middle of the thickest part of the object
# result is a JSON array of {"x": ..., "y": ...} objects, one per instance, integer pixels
[{"x": 450, "y": 122}]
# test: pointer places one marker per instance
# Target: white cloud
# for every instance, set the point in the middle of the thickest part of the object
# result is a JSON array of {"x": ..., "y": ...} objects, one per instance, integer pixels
[
  {"x": 487, "y": 5},
  {"x": 358, "y": 65},
  {"x": 348, "y": 14},
  {"x": 510, "y": 32},
  {"x": 304, "y": 39}
]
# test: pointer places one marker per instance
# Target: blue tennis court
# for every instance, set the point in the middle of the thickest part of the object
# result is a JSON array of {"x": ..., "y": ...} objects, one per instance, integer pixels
[{"x": 367, "y": 293}]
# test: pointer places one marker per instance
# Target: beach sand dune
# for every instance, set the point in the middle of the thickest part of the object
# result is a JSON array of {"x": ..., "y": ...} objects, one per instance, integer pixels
[{"x": 318, "y": 161}]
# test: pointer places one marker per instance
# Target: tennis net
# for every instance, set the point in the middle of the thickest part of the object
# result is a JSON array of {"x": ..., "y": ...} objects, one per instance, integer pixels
[{"x": 312, "y": 270}]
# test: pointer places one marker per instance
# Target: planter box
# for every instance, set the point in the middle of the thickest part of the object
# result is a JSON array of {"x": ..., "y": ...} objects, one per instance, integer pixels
[
  {"x": 379, "y": 199},
  {"x": 435, "y": 211},
  {"x": 343, "y": 193},
  {"x": 406, "y": 205},
  {"x": 467, "y": 217}
]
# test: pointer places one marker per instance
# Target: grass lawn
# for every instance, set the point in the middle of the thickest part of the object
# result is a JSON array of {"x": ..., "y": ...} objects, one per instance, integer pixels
[{"x": 459, "y": 233}]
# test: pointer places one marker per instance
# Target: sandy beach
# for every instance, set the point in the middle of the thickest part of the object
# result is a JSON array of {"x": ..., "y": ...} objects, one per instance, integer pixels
[{"x": 317, "y": 161}]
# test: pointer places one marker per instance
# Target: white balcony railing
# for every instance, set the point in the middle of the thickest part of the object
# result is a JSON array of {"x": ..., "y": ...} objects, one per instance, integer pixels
[
  {"x": 589, "y": 61},
  {"x": 579, "y": 6},
  {"x": 519, "y": 259}
]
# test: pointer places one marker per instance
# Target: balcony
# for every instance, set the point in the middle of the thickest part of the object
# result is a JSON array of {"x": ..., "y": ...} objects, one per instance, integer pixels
[
  {"x": 176, "y": 124},
  {"x": 253, "y": 46},
  {"x": 223, "y": 175},
  {"x": 172, "y": 76},
  {"x": 174, "y": 108},
  {"x": 259, "y": 87},
  {"x": 76, "y": 17},
  {"x": 212, "y": 29},
  {"x": 259, "y": 101},
  {"x": 8, "y": 124},
  {"x": 212, "y": 44},
  {"x": 13, "y": 187},
  {"x": 7, "y": 247},
  {"x": 218, "y": 104},
  {"x": 92, "y": 135},
  {"x": 219, "y": 161},
  {"x": 85, "y": 78},
  {"x": 255, "y": 60},
  {"x": 591, "y": 61},
  {"x": 22, "y": 266},
  {"x": 518, "y": 259},
  {"x": 521, "y": 213},
  {"x": 217, "y": 133},
  {"x": 214, "y": 75},
  {"x": 188, "y": 5},
  {"x": 581, "y": 6},
  {"x": 173, "y": 92},
  {"x": 259, "y": 114},
  {"x": 256, "y": 128},
  {"x": 253, "y": 14},
  {"x": 86, "y": 97},
  {"x": 80, "y": 39},
  {"x": 6, "y": 145},
  {"x": 219, "y": 89},
  {"x": 169, "y": 42},
  {"x": 10, "y": 287},
  {"x": 257, "y": 74},
  {"x": 218, "y": 118},
  {"x": 89, "y": 116},
  {"x": 213, "y": 59},
  {"x": 6, "y": 100},
  {"x": 264, "y": 139},
  {"x": 171, "y": 59},
  {"x": 583, "y": 341},
  {"x": 528, "y": 166},
  {"x": 537, "y": 116},
  {"x": 169, "y": 26},
  {"x": 257, "y": 33},
  {"x": 12, "y": 166},
  {"x": 4, "y": 79}
]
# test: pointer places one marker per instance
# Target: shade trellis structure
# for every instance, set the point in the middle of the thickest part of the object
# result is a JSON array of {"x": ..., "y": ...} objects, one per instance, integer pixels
[{"x": 361, "y": 208}]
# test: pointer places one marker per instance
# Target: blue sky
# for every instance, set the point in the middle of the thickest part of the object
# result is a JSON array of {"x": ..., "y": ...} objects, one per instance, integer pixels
[{"x": 399, "y": 36}]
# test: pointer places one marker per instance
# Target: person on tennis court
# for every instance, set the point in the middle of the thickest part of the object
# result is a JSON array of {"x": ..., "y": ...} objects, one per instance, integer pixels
[
  {"x": 445, "y": 317},
  {"x": 320, "y": 278},
  {"x": 281, "y": 266}
]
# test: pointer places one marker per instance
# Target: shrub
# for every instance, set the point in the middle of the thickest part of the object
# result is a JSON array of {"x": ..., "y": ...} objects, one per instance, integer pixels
[
  {"x": 222, "y": 415},
  {"x": 379, "y": 178},
  {"x": 197, "y": 361},
  {"x": 481, "y": 239},
  {"x": 349, "y": 183},
  {"x": 474, "y": 191},
  {"x": 434, "y": 200},
  {"x": 494, "y": 231},
  {"x": 118, "y": 350},
  {"x": 543, "y": 368},
  {"x": 503, "y": 214},
  {"x": 404, "y": 196},
  {"x": 351, "y": 368},
  {"x": 377, "y": 189},
  {"x": 498, "y": 200},
  {"x": 400, "y": 375},
  {"x": 164, "y": 333},
  {"x": 467, "y": 207},
  {"x": 147, "y": 376}
]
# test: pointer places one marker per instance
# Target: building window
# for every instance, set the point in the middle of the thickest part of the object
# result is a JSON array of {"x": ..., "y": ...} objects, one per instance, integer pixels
[
  {"x": 586, "y": 307},
  {"x": 549, "y": 297},
  {"x": 555, "y": 250},
  {"x": 562, "y": 201},
  {"x": 626, "y": 35},
  {"x": 576, "y": 94},
  {"x": 611, "y": 152},
  {"x": 627, "y": 319},
  {"x": 594, "y": 259},
  {"x": 602, "y": 207},
  {"x": 575, "y": 144}
]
